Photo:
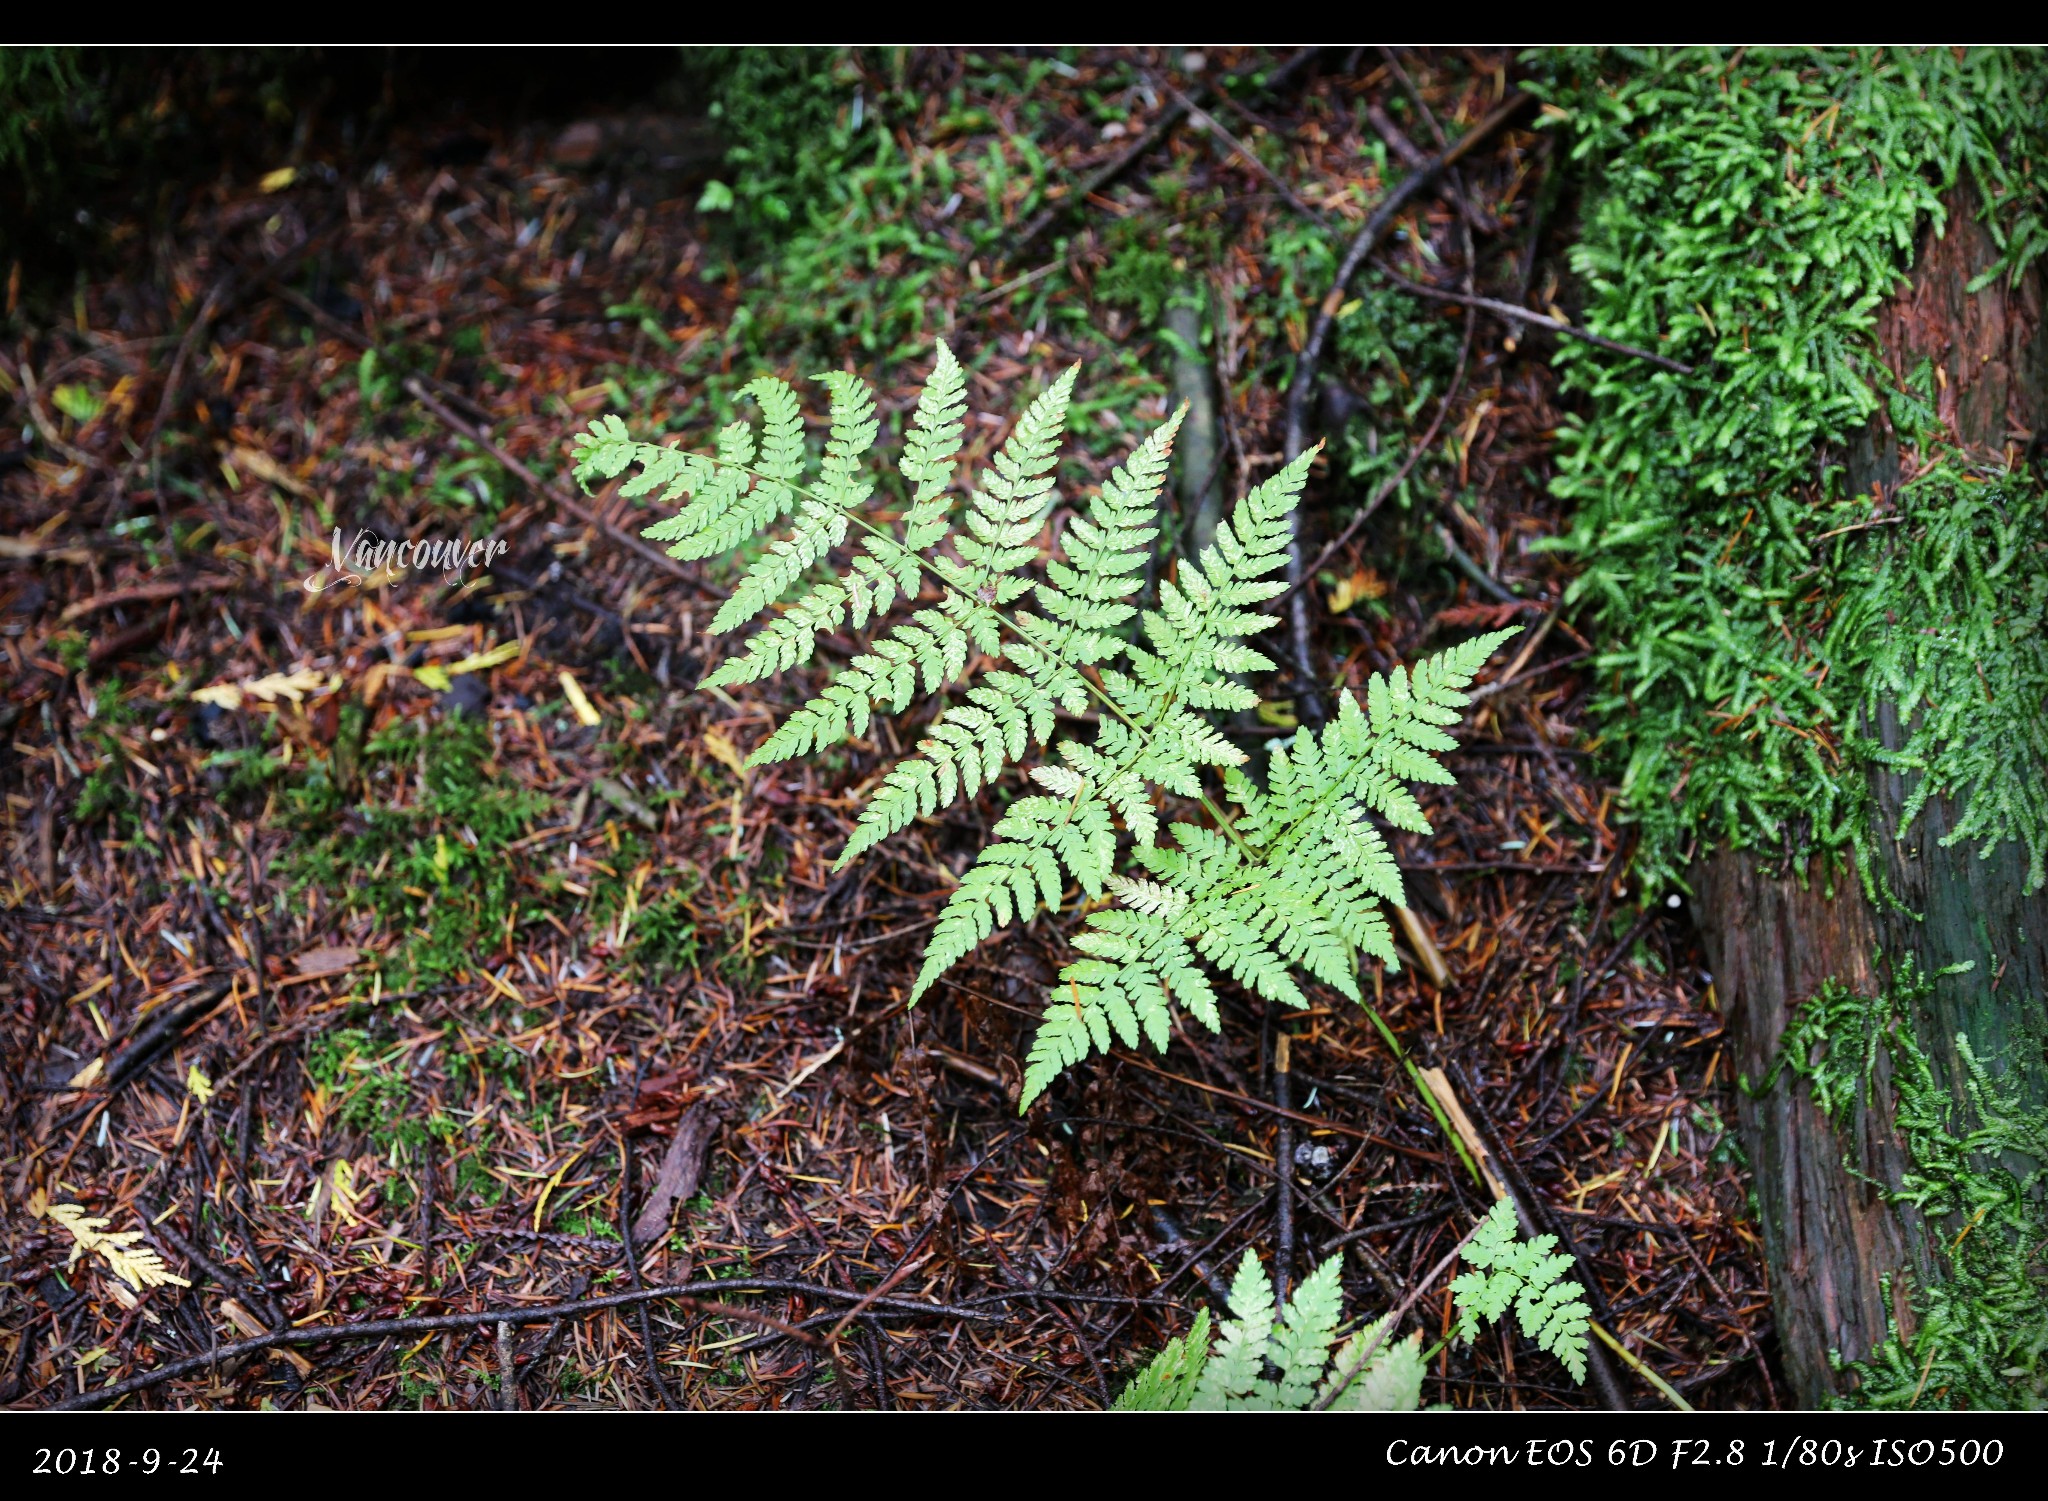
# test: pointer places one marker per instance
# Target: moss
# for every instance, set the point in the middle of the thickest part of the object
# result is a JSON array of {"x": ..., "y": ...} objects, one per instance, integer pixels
[
  {"x": 372, "y": 1093},
  {"x": 1747, "y": 214},
  {"x": 433, "y": 867},
  {"x": 1978, "y": 1174},
  {"x": 104, "y": 793}
]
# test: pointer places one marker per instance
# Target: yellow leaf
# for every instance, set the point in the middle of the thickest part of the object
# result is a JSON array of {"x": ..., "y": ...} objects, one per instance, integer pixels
[
  {"x": 433, "y": 677},
  {"x": 580, "y": 701},
  {"x": 1280, "y": 713},
  {"x": 1363, "y": 584},
  {"x": 482, "y": 661},
  {"x": 345, "y": 1192},
  {"x": 139, "y": 1267},
  {"x": 255, "y": 461},
  {"x": 200, "y": 1086},
  {"x": 724, "y": 750},
  {"x": 270, "y": 688},
  {"x": 278, "y": 181},
  {"x": 83, "y": 1079}
]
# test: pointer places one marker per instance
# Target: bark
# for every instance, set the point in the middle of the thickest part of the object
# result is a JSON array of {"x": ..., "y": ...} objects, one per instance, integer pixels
[{"x": 1829, "y": 1233}]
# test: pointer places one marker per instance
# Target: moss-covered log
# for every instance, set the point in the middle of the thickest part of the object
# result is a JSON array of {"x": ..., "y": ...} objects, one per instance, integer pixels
[{"x": 1956, "y": 945}]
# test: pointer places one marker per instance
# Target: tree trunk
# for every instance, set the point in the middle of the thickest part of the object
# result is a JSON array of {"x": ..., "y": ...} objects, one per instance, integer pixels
[{"x": 1831, "y": 1235}]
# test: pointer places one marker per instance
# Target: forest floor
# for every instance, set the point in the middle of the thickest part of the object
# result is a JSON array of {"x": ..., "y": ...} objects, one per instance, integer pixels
[{"x": 457, "y": 947}]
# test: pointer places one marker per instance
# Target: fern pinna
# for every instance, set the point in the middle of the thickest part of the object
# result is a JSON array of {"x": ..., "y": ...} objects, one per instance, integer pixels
[{"x": 1294, "y": 880}]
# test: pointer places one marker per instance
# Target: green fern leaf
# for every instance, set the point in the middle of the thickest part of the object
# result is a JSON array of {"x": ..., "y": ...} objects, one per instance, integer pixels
[
  {"x": 1550, "y": 1307},
  {"x": 1168, "y": 1384},
  {"x": 1391, "y": 1380},
  {"x": 1293, "y": 886},
  {"x": 1301, "y": 1344},
  {"x": 1233, "y": 1372},
  {"x": 822, "y": 514},
  {"x": 1296, "y": 1343}
]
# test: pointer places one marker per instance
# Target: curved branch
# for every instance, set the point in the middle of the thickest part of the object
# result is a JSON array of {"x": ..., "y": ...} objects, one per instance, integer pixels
[{"x": 1301, "y": 389}]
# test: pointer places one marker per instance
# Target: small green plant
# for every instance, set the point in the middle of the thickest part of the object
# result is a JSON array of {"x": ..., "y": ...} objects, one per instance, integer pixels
[
  {"x": 371, "y": 1091},
  {"x": 1293, "y": 881},
  {"x": 432, "y": 868},
  {"x": 1371, "y": 1372},
  {"x": 105, "y": 793},
  {"x": 1534, "y": 1277}
]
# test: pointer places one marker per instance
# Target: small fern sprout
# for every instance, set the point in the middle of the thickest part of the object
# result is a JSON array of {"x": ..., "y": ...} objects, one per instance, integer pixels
[
  {"x": 1294, "y": 1345},
  {"x": 1548, "y": 1303},
  {"x": 1267, "y": 1360},
  {"x": 974, "y": 618}
]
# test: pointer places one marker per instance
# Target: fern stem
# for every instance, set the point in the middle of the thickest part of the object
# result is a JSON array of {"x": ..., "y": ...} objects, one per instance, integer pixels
[
  {"x": 1443, "y": 1123},
  {"x": 1664, "y": 1388}
]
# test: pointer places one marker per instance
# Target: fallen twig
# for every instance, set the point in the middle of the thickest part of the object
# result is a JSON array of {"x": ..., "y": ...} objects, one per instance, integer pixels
[
  {"x": 541, "y": 488},
  {"x": 1158, "y": 131},
  {"x": 1301, "y": 388},
  {"x": 1514, "y": 314},
  {"x": 699, "y": 1297}
]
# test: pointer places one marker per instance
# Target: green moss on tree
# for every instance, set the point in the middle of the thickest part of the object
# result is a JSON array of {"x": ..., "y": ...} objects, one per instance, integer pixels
[
  {"x": 1978, "y": 1170},
  {"x": 1747, "y": 214}
]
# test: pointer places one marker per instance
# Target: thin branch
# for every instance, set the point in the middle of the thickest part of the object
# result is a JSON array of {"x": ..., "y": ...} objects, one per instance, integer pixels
[
  {"x": 1160, "y": 129},
  {"x": 1301, "y": 389},
  {"x": 1514, "y": 314},
  {"x": 1208, "y": 122},
  {"x": 699, "y": 1297},
  {"x": 548, "y": 492}
]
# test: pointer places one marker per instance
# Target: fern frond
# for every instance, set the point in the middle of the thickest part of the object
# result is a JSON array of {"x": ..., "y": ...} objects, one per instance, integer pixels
[
  {"x": 1235, "y": 1367},
  {"x": 1296, "y": 1342},
  {"x": 821, "y": 514},
  {"x": 737, "y": 492},
  {"x": 931, "y": 450},
  {"x": 1549, "y": 1305},
  {"x": 970, "y": 743},
  {"x": 1301, "y": 1345},
  {"x": 1391, "y": 1380},
  {"x": 1293, "y": 886},
  {"x": 1007, "y": 507},
  {"x": 1037, "y": 837}
]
